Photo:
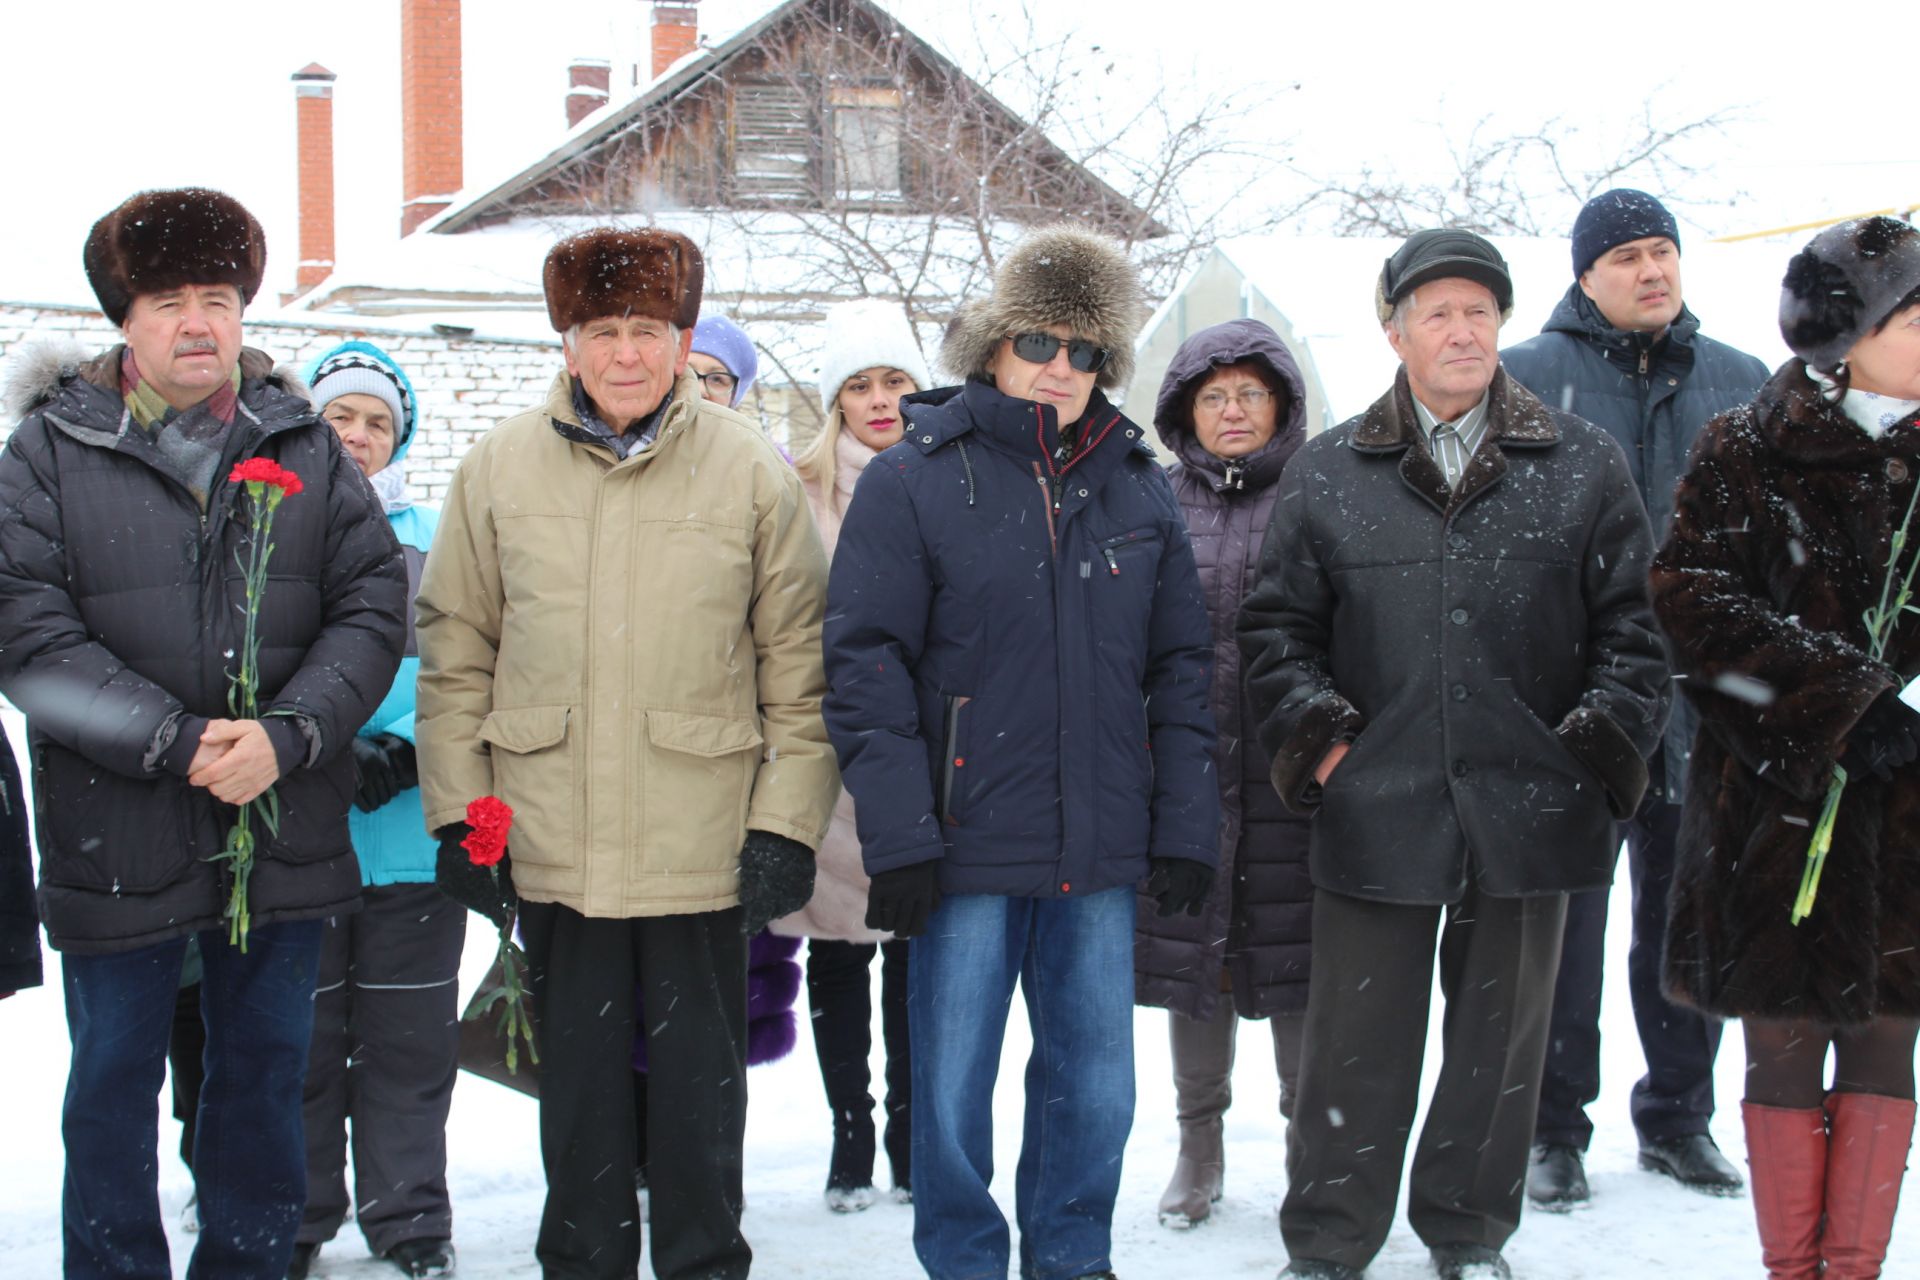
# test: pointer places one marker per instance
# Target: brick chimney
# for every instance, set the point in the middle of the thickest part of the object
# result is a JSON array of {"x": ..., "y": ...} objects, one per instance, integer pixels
[
  {"x": 676, "y": 32},
  {"x": 313, "y": 111},
  {"x": 587, "y": 83},
  {"x": 430, "y": 121}
]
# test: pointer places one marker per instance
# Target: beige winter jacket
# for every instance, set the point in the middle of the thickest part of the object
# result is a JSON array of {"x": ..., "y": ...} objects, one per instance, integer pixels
[{"x": 628, "y": 654}]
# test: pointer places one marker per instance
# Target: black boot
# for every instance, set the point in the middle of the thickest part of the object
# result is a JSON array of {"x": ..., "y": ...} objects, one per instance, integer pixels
[
  {"x": 302, "y": 1261},
  {"x": 1556, "y": 1178}
]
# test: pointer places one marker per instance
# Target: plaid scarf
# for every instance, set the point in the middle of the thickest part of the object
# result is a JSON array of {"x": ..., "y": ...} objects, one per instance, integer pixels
[{"x": 149, "y": 407}]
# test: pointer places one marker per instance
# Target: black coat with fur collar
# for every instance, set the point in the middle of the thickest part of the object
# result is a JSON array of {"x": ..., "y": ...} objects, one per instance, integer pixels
[
  {"x": 121, "y": 605},
  {"x": 1489, "y": 651},
  {"x": 1779, "y": 544}
]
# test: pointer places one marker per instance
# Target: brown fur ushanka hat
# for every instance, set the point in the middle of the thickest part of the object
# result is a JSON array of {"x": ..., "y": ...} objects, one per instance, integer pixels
[
  {"x": 160, "y": 240},
  {"x": 1057, "y": 275},
  {"x": 617, "y": 271}
]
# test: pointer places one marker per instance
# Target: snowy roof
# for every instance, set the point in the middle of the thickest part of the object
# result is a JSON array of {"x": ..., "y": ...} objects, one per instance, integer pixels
[
  {"x": 616, "y": 116},
  {"x": 1324, "y": 285}
]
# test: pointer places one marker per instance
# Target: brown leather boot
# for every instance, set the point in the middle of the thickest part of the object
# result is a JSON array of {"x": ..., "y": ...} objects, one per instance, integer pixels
[
  {"x": 1203, "y": 1088},
  {"x": 1866, "y": 1160},
  {"x": 1787, "y": 1169}
]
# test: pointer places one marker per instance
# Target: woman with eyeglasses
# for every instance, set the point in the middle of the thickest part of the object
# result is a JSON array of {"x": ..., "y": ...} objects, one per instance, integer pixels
[
  {"x": 871, "y": 362},
  {"x": 1016, "y": 656},
  {"x": 1232, "y": 410},
  {"x": 722, "y": 357}
]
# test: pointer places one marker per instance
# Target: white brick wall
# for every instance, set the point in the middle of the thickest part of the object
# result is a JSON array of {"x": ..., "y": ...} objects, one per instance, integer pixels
[{"x": 466, "y": 385}]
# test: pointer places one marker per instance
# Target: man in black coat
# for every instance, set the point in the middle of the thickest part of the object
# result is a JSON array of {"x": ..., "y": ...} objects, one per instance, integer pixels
[
  {"x": 1452, "y": 659},
  {"x": 1624, "y": 352},
  {"x": 123, "y": 609}
]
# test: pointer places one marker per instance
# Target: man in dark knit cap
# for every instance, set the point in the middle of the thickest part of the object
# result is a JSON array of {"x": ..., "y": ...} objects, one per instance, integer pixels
[
  {"x": 620, "y": 638},
  {"x": 1451, "y": 656},
  {"x": 1624, "y": 352},
  {"x": 121, "y": 614}
]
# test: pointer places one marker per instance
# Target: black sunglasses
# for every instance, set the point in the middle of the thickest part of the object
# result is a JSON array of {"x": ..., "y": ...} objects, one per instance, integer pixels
[{"x": 1039, "y": 348}]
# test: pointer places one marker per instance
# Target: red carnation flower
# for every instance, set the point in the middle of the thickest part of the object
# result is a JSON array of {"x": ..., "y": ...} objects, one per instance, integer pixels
[
  {"x": 266, "y": 471},
  {"x": 490, "y": 817}
]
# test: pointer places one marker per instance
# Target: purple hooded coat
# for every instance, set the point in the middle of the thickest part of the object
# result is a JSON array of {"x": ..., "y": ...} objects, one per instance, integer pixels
[{"x": 1257, "y": 923}]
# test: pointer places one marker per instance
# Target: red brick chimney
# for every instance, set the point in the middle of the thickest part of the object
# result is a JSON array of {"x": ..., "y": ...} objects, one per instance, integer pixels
[
  {"x": 313, "y": 110},
  {"x": 676, "y": 32},
  {"x": 587, "y": 83},
  {"x": 430, "y": 122}
]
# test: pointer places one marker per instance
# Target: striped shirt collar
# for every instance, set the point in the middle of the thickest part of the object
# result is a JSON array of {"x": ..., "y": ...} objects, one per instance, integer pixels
[{"x": 1453, "y": 443}]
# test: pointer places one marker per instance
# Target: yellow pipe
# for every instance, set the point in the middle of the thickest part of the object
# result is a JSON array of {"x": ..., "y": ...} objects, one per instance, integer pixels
[{"x": 1898, "y": 211}]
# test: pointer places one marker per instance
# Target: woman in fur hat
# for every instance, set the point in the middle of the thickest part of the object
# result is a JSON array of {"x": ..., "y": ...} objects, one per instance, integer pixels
[
  {"x": 1017, "y": 655},
  {"x": 1781, "y": 541},
  {"x": 1232, "y": 410},
  {"x": 871, "y": 362}
]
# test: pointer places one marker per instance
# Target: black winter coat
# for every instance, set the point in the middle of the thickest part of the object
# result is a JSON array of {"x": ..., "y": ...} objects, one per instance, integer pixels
[
  {"x": 19, "y": 924},
  {"x": 1017, "y": 656},
  {"x": 1652, "y": 394},
  {"x": 121, "y": 604},
  {"x": 1257, "y": 924},
  {"x": 1779, "y": 544},
  {"x": 1490, "y": 653}
]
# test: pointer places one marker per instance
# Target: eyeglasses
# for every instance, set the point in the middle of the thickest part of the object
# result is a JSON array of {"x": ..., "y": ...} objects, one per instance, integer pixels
[
  {"x": 724, "y": 383},
  {"x": 1251, "y": 399},
  {"x": 1082, "y": 353}
]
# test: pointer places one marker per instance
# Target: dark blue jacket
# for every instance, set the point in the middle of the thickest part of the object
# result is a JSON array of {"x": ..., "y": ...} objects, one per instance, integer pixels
[
  {"x": 1018, "y": 655},
  {"x": 1652, "y": 394}
]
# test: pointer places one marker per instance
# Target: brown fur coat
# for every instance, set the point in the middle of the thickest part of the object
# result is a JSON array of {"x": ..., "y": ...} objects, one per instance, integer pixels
[{"x": 1779, "y": 544}]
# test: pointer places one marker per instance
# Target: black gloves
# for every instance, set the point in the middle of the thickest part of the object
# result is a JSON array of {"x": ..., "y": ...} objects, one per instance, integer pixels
[
  {"x": 901, "y": 900},
  {"x": 383, "y": 767},
  {"x": 475, "y": 888},
  {"x": 776, "y": 879},
  {"x": 1179, "y": 884},
  {"x": 1886, "y": 738}
]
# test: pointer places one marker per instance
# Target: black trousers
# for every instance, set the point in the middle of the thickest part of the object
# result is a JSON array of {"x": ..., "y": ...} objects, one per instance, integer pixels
[
  {"x": 1367, "y": 1006},
  {"x": 386, "y": 1045},
  {"x": 840, "y": 997},
  {"x": 186, "y": 1054},
  {"x": 1675, "y": 1097},
  {"x": 694, "y": 972}
]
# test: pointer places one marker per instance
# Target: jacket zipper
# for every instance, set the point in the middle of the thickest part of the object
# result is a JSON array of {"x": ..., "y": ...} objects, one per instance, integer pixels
[
  {"x": 1236, "y": 476},
  {"x": 1113, "y": 561},
  {"x": 950, "y": 760},
  {"x": 1049, "y": 502}
]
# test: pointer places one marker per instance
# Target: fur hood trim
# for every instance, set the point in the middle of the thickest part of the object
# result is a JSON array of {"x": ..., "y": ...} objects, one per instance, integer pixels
[
  {"x": 1063, "y": 275},
  {"x": 32, "y": 376}
]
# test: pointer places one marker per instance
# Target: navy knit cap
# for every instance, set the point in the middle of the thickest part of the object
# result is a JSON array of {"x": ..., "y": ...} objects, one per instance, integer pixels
[{"x": 1615, "y": 217}]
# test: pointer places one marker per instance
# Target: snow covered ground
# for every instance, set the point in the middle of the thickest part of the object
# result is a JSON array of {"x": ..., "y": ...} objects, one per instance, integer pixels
[{"x": 1638, "y": 1225}]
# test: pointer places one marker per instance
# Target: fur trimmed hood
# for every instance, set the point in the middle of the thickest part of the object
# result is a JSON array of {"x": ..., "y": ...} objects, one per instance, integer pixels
[
  {"x": 1064, "y": 275},
  {"x": 32, "y": 375}
]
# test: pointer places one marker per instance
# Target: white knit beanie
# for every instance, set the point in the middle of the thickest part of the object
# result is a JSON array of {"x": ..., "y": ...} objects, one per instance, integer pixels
[{"x": 868, "y": 334}]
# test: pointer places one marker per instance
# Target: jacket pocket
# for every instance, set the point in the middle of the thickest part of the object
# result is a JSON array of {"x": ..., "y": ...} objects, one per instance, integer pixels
[
  {"x": 697, "y": 785},
  {"x": 953, "y": 758},
  {"x": 534, "y": 771},
  {"x": 103, "y": 831}
]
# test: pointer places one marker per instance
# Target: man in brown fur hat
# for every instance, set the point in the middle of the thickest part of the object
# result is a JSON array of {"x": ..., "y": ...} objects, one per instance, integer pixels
[
  {"x": 120, "y": 615},
  {"x": 620, "y": 637}
]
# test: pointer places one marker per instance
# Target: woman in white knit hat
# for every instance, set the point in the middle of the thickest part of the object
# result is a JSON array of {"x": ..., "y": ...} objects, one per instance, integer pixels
[{"x": 871, "y": 361}]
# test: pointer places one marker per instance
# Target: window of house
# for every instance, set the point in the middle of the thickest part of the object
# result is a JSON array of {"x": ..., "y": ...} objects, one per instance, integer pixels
[
  {"x": 866, "y": 143},
  {"x": 773, "y": 142}
]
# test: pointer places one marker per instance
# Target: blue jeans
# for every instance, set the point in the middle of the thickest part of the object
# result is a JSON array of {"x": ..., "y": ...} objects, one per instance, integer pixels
[
  {"x": 249, "y": 1158},
  {"x": 1073, "y": 958}
]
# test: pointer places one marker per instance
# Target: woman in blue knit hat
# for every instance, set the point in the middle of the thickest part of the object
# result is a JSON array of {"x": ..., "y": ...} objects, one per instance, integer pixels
[{"x": 388, "y": 996}]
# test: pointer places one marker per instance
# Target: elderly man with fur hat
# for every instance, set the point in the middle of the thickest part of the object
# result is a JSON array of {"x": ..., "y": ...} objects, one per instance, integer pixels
[
  {"x": 120, "y": 612},
  {"x": 620, "y": 638},
  {"x": 1018, "y": 660},
  {"x": 1451, "y": 657}
]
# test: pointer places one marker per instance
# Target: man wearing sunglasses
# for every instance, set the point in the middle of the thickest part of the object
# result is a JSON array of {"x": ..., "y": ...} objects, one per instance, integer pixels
[{"x": 1018, "y": 662}]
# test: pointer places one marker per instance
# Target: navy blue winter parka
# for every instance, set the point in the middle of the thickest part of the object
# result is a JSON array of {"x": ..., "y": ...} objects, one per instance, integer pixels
[{"x": 1018, "y": 653}]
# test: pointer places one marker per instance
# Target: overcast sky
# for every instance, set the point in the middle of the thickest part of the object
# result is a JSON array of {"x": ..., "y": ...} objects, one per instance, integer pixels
[{"x": 101, "y": 97}]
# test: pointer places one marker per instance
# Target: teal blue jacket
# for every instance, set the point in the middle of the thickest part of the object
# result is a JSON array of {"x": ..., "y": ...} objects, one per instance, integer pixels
[{"x": 392, "y": 841}]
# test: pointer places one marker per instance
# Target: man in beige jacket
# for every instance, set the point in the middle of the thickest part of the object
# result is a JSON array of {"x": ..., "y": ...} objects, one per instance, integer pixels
[{"x": 619, "y": 630}]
